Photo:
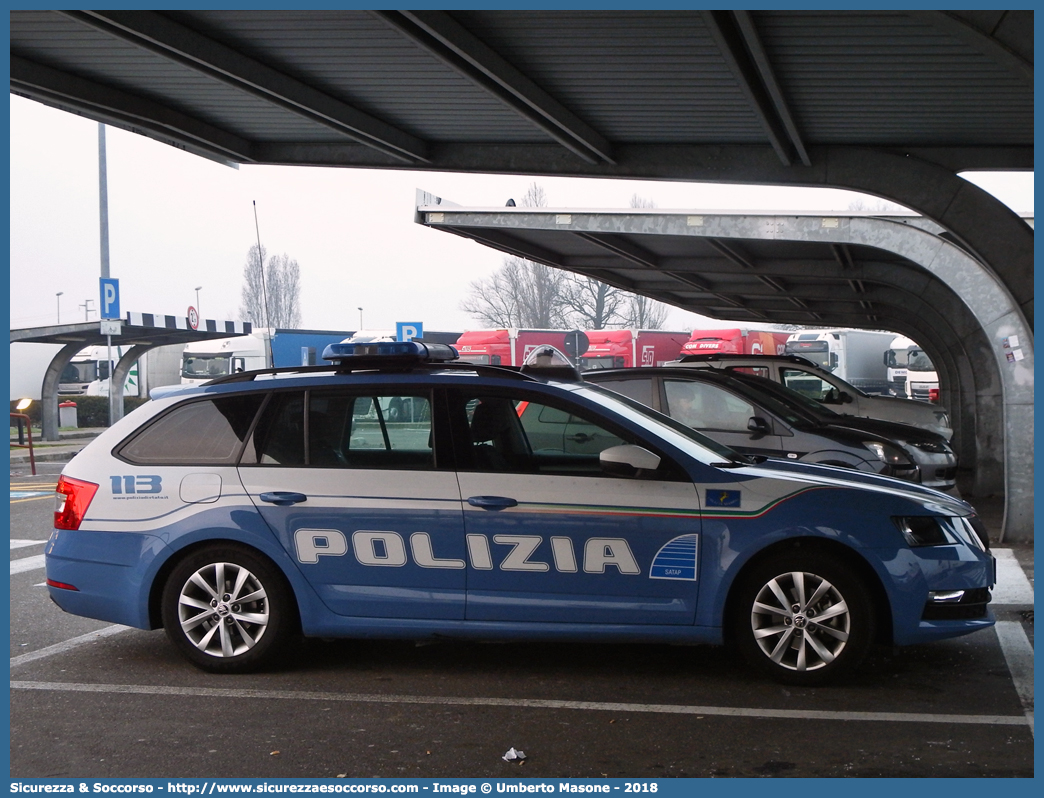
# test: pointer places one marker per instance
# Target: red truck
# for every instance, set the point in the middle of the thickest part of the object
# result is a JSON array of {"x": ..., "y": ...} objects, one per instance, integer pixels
[
  {"x": 505, "y": 347},
  {"x": 736, "y": 342},
  {"x": 613, "y": 349}
]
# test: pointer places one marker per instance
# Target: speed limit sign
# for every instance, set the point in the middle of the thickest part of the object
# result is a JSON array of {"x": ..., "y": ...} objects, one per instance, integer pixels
[{"x": 193, "y": 318}]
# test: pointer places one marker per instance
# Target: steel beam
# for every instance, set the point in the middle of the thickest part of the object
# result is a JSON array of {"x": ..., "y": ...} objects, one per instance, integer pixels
[
  {"x": 105, "y": 103},
  {"x": 156, "y": 33},
  {"x": 447, "y": 40},
  {"x": 742, "y": 52},
  {"x": 987, "y": 45}
]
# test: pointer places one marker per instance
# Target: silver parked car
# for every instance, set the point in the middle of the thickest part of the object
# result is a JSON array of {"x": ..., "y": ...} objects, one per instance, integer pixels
[{"x": 755, "y": 416}]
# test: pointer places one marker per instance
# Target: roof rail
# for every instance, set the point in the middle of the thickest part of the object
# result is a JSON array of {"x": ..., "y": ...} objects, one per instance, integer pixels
[{"x": 346, "y": 368}]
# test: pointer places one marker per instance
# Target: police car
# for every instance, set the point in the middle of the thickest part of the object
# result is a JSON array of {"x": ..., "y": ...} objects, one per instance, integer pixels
[{"x": 498, "y": 503}]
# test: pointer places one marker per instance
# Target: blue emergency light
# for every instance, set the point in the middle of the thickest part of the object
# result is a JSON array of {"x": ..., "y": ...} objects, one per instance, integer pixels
[{"x": 391, "y": 352}]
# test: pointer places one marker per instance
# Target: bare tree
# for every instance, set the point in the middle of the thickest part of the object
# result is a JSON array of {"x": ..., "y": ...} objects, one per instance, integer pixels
[
  {"x": 642, "y": 312},
  {"x": 276, "y": 302},
  {"x": 526, "y": 294},
  {"x": 645, "y": 313},
  {"x": 593, "y": 305},
  {"x": 520, "y": 293}
]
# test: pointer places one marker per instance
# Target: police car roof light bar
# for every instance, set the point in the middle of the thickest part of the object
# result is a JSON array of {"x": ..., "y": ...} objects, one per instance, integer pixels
[{"x": 390, "y": 353}]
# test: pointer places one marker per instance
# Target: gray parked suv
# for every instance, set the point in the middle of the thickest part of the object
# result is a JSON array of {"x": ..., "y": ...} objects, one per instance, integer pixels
[{"x": 804, "y": 376}]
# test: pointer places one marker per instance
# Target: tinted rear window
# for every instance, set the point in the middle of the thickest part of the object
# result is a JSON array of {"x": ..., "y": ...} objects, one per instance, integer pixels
[{"x": 207, "y": 432}]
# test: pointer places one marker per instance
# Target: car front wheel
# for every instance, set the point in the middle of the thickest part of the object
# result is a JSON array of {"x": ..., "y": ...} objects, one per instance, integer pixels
[
  {"x": 228, "y": 610},
  {"x": 803, "y": 619}
]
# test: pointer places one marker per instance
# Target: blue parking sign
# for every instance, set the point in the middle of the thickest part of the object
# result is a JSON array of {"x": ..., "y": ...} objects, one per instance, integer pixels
[
  {"x": 408, "y": 330},
  {"x": 110, "y": 297}
]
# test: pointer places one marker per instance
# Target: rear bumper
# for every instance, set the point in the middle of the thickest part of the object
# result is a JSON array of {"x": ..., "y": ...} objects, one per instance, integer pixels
[{"x": 111, "y": 572}]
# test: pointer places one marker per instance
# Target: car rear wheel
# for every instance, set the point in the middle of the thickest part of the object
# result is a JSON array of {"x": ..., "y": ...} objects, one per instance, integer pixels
[
  {"x": 803, "y": 618},
  {"x": 228, "y": 610}
]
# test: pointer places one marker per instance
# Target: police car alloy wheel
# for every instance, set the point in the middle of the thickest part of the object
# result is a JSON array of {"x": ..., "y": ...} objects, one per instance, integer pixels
[
  {"x": 227, "y": 610},
  {"x": 804, "y": 618}
]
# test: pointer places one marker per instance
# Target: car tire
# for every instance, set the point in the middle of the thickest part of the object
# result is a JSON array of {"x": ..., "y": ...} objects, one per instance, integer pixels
[
  {"x": 803, "y": 618},
  {"x": 215, "y": 631}
]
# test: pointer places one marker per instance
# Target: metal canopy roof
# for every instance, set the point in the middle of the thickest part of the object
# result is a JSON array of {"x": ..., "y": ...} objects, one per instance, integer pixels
[
  {"x": 594, "y": 92},
  {"x": 904, "y": 274},
  {"x": 88, "y": 333},
  {"x": 768, "y": 267}
]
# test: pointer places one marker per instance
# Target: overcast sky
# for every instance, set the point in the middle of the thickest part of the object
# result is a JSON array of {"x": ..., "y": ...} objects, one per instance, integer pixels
[{"x": 177, "y": 221}]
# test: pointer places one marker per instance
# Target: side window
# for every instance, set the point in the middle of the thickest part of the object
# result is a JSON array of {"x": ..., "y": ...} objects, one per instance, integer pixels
[
  {"x": 208, "y": 432},
  {"x": 512, "y": 435},
  {"x": 344, "y": 431},
  {"x": 381, "y": 431},
  {"x": 702, "y": 405},
  {"x": 753, "y": 371},
  {"x": 639, "y": 390},
  {"x": 279, "y": 436},
  {"x": 808, "y": 384}
]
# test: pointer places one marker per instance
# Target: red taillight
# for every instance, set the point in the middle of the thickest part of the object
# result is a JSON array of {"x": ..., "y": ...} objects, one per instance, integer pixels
[
  {"x": 62, "y": 585},
  {"x": 933, "y": 394},
  {"x": 72, "y": 498}
]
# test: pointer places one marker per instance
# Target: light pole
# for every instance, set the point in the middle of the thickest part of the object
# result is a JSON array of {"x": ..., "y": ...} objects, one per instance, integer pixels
[
  {"x": 58, "y": 298},
  {"x": 360, "y": 318},
  {"x": 198, "y": 313},
  {"x": 87, "y": 308}
]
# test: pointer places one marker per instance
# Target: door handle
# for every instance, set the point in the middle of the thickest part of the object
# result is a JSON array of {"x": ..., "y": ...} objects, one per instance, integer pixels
[
  {"x": 283, "y": 498},
  {"x": 492, "y": 502}
]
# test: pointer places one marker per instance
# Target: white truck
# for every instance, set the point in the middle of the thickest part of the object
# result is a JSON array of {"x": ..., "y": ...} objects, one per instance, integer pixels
[
  {"x": 207, "y": 360},
  {"x": 856, "y": 356},
  {"x": 911, "y": 373}
]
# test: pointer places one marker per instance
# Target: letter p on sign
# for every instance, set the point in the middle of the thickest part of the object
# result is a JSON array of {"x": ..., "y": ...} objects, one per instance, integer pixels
[
  {"x": 110, "y": 298},
  {"x": 408, "y": 330}
]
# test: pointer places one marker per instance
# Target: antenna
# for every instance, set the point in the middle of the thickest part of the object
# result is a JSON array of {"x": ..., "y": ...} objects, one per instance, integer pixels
[
  {"x": 264, "y": 289},
  {"x": 261, "y": 264}
]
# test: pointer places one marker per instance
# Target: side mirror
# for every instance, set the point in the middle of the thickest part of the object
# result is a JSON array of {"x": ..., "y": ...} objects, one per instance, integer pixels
[
  {"x": 758, "y": 425},
  {"x": 628, "y": 461},
  {"x": 846, "y": 398}
]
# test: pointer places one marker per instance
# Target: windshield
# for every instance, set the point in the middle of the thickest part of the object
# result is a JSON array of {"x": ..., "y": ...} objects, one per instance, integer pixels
[
  {"x": 694, "y": 443},
  {"x": 897, "y": 358},
  {"x": 816, "y": 351},
  {"x": 205, "y": 366},
  {"x": 603, "y": 362},
  {"x": 793, "y": 406},
  {"x": 78, "y": 372},
  {"x": 919, "y": 361}
]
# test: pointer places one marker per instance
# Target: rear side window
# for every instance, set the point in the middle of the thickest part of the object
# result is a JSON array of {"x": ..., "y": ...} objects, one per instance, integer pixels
[
  {"x": 208, "y": 432},
  {"x": 639, "y": 390},
  {"x": 343, "y": 430}
]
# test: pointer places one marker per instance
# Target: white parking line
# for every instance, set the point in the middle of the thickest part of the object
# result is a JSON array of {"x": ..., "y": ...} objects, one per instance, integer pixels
[
  {"x": 520, "y": 703},
  {"x": 1012, "y": 585},
  {"x": 27, "y": 564},
  {"x": 21, "y": 543},
  {"x": 1019, "y": 655},
  {"x": 71, "y": 643}
]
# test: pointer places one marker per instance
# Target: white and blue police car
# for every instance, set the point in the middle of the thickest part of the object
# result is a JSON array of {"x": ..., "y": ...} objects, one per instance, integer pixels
[{"x": 403, "y": 494}]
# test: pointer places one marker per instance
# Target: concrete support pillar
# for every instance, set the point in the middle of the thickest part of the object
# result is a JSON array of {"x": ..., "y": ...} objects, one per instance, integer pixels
[
  {"x": 49, "y": 390},
  {"x": 119, "y": 377}
]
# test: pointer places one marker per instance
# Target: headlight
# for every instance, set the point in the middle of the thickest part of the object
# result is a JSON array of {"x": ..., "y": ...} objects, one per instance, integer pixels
[
  {"x": 887, "y": 453},
  {"x": 922, "y": 530}
]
